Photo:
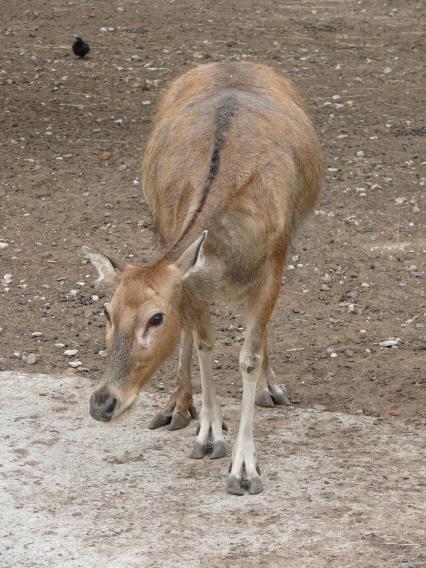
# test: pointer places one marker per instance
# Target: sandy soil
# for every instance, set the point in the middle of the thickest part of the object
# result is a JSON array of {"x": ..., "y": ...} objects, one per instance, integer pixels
[
  {"x": 72, "y": 134},
  {"x": 341, "y": 490}
]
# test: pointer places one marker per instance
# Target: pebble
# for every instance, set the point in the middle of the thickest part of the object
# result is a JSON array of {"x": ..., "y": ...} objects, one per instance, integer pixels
[
  {"x": 326, "y": 278},
  {"x": 3, "y": 245},
  {"x": 333, "y": 355},
  {"x": 7, "y": 278},
  {"x": 75, "y": 364},
  {"x": 70, "y": 352},
  {"x": 59, "y": 344},
  {"x": 238, "y": 338},
  {"x": 36, "y": 334},
  {"x": 319, "y": 407},
  {"x": 102, "y": 354},
  {"x": 29, "y": 359},
  {"x": 360, "y": 154},
  {"x": 393, "y": 342}
]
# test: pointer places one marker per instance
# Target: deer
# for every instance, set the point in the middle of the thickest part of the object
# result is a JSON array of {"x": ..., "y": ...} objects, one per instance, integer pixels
[{"x": 230, "y": 170}]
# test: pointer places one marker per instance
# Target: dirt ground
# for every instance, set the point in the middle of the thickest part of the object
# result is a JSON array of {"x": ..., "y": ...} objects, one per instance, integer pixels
[{"x": 72, "y": 134}]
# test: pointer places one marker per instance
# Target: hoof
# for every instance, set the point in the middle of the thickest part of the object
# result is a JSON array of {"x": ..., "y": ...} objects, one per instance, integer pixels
[
  {"x": 198, "y": 451},
  {"x": 233, "y": 486},
  {"x": 219, "y": 450},
  {"x": 178, "y": 421},
  {"x": 264, "y": 398},
  {"x": 255, "y": 486},
  {"x": 280, "y": 397},
  {"x": 159, "y": 420}
]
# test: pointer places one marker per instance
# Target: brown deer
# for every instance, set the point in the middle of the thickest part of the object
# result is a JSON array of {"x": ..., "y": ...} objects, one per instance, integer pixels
[{"x": 231, "y": 168}]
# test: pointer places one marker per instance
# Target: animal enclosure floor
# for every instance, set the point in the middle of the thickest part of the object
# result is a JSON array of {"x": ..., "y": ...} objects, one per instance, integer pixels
[{"x": 341, "y": 490}]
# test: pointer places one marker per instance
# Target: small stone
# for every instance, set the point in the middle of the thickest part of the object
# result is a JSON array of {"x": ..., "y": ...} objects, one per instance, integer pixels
[
  {"x": 400, "y": 200},
  {"x": 36, "y": 334},
  {"x": 394, "y": 412},
  {"x": 387, "y": 70},
  {"x": 59, "y": 344},
  {"x": 325, "y": 288},
  {"x": 326, "y": 278},
  {"x": 333, "y": 355},
  {"x": 70, "y": 352},
  {"x": 7, "y": 278},
  {"x": 360, "y": 154},
  {"x": 102, "y": 354},
  {"x": 319, "y": 407},
  {"x": 83, "y": 369},
  {"x": 30, "y": 359},
  {"x": 75, "y": 364},
  {"x": 393, "y": 342},
  {"x": 95, "y": 298},
  {"x": 365, "y": 285},
  {"x": 106, "y": 155},
  {"x": 3, "y": 245},
  {"x": 238, "y": 338}
]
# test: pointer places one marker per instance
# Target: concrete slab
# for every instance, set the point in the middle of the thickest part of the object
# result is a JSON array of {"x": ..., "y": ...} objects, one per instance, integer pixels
[{"x": 340, "y": 491}]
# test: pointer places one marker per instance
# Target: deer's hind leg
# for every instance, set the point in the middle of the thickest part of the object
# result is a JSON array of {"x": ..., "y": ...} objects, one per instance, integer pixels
[
  {"x": 180, "y": 408},
  {"x": 269, "y": 393}
]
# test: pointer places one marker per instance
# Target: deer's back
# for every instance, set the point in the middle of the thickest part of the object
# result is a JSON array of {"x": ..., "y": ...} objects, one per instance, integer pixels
[{"x": 232, "y": 150}]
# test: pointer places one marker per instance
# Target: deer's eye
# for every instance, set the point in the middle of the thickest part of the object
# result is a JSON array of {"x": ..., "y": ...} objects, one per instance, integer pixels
[{"x": 156, "y": 319}]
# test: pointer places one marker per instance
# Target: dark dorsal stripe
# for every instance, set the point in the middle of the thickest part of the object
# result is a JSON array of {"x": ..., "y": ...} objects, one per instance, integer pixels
[{"x": 223, "y": 118}]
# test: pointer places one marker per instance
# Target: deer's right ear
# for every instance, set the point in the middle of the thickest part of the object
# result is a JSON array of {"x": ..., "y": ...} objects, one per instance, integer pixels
[{"x": 108, "y": 270}]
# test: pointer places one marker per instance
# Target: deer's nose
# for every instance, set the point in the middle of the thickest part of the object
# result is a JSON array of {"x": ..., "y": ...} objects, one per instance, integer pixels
[{"x": 102, "y": 405}]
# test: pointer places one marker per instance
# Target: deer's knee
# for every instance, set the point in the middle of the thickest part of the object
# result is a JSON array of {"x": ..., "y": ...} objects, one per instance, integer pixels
[{"x": 250, "y": 365}]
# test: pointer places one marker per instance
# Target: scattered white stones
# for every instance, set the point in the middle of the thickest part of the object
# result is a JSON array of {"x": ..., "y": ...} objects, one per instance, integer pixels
[
  {"x": 392, "y": 342},
  {"x": 75, "y": 364},
  {"x": 400, "y": 200},
  {"x": 70, "y": 352}
]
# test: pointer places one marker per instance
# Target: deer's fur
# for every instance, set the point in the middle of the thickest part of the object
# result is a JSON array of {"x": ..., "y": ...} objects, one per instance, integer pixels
[{"x": 234, "y": 154}]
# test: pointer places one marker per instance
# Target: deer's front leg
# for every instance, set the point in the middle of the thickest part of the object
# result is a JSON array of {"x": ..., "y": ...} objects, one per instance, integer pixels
[
  {"x": 180, "y": 408},
  {"x": 210, "y": 434},
  {"x": 244, "y": 472}
]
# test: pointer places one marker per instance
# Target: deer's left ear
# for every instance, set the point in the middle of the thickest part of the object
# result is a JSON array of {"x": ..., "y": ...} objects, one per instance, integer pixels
[
  {"x": 108, "y": 270},
  {"x": 192, "y": 258}
]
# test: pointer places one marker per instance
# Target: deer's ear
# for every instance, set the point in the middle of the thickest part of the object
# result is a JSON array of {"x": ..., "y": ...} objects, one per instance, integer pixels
[
  {"x": 108, "y": 270},
  {"x": 193, "y": 257}
]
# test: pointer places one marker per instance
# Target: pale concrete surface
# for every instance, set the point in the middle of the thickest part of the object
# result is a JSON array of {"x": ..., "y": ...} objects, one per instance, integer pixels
[{"x": 340, "y": 491}]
